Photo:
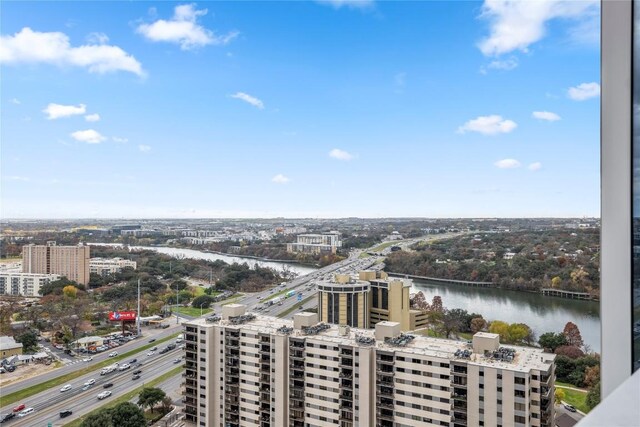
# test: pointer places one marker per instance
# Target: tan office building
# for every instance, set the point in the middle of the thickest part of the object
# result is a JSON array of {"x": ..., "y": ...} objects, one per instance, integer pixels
[
  {"x": 247, "y": 370},
  {"x": 69, "y": 261},
  {"x": 371, "y": 298}
]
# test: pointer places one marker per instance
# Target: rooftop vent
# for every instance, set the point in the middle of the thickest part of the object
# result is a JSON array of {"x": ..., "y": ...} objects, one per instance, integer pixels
[
  {"x": 365, "y": 340},
  {"x": 238, "y": 320},
  {"x": 315, "y": 330},
  {"x": 400, "y": 341},
  {"x": 286, "y": 330}
]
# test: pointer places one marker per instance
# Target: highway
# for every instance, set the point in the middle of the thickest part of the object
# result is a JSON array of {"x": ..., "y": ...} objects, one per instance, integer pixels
[
  {"x": 148, "y": 333},
  {"x": 49, "y": 403}
]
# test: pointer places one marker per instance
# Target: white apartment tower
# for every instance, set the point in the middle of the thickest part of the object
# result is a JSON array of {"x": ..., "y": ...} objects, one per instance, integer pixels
[{"x": 247, "y": 370}]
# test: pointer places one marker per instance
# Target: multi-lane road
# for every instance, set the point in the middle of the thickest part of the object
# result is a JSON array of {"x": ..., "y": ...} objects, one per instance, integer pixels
[{"x": 49, "y": 403}]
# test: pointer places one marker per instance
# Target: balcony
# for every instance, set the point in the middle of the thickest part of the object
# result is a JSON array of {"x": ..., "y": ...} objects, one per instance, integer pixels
[
  {"x": 385, "y": 403},
  {"x": 385, "y": 414},
  {"x": 459, "y": 416},
  {"x": 296, "y": 365},
  {"x": 297, "y": 386},
  {"x": 460, "y": 407},
  {"x": 384, "y": 370},
  {"x": 297, "y": 416},
  {"x": 346, "y": 374},
  {"x": 346, "y": 362},
  {"x": 265, "y": 398},
  {"x": 297, "y": 394},
  {"x": 346, "y": 383},
  {"x": 346, "y": 395},
  {"x": 296, "y": 344},
  {"x": 385, "y": 361},
  {"x": 296, "y": 356},
  {"x": 385, "y": 391}
]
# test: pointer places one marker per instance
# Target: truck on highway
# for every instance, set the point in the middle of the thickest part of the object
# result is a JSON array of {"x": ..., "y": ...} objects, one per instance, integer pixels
[
  {"x": 108, "y": 369},
  {"x": 275, "y": 300},
  {"x": 290, "y": 293}
]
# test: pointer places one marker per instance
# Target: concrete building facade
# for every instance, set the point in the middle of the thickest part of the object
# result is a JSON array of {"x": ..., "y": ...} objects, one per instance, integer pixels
[
  {"x": 344, "y": 301},
  {"x": 107, "y": 266},
  {"x": 69, "y": 261},
  {"x": 24, "y": 284},
  {"x": 247, "y": 370},
  {"x": 316, "y": 243},
  {"x": 9, "y": 347}
]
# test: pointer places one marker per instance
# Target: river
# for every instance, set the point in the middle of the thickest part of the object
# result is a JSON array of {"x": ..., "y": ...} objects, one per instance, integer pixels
[{"x": 541, "y": 313}]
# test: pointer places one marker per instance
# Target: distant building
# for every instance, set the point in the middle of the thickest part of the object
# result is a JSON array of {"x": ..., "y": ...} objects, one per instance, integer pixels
[
  {"x": 9, "y": 347},
  {"x": 290, "y": 230},
  {"x": 87, "y": 342},
  {"x": 508, "y": 255},
  {"x": 107, "y": 266},
  {"x": 69, "y": 261},
  {"x": 24, "y": 284},
  {"x": 246, "y": 370},
  {"x": 316, "y": 243}
]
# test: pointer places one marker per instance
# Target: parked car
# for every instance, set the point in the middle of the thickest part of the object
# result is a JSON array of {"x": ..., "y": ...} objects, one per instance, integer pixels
[
  {"x": 26, "y": 412},
  {"x": 165, "y": 326},
  {"x": 19, "y": 407},
  {"x": 107, "y": 385},
  {"x": 113, "y": 354},
  {"x": 66, "y": 388},
  {"x": 569, "y": 408},
  {"x": 104, "y": 395},
  {"x": 6, "y": 417},
  {"x": 65, "y": 413}
]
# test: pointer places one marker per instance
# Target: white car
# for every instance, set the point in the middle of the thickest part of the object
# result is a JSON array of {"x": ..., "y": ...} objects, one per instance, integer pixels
[
  {"x": 104, "y": 395},
  {"x": 66, "y": 388},
  {"x": 88, "y": 359},
  {"x": 90, "y": 382},
  {"x": 151, "y": 353},
  {"x": 124, "y": 367},
  {"x": 113, "y": 354},
  {"x": 26, "y": 412}
]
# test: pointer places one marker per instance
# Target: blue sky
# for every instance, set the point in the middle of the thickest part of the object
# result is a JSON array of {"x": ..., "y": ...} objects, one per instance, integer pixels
[{"x": 314, "y": 109}]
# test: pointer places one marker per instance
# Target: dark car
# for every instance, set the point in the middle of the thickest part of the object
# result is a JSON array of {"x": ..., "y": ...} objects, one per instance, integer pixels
[
  {"x": 132, "y": 361},
  {"x": 135, "y": 377},
  {"x": 107, "y": 385},
  {"x": 6, "y": 417},
  {"x": 165, "y": 326},
  {"x": 65, "y": 413},
  {"x": 171, "y": 346},
  {"x": 138, "y": 372},
  {"x": 152, "y": 340},
  {"x": 164, "y": 350}
]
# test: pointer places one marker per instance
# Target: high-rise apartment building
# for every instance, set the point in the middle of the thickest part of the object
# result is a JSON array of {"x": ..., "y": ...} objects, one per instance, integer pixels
[
  {"x": 247, "y": 370},
  {"x": 371, "y": 298},
  {"x": 69, "y": 261}
]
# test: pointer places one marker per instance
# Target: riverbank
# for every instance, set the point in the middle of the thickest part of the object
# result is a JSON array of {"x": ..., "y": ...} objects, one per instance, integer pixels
[{"x": 583, "y": 296}]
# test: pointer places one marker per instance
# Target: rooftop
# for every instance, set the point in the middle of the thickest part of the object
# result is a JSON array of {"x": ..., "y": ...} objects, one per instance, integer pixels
[
  {"x": 526, "y": 358},
  {"x": 8, "y": 343}
]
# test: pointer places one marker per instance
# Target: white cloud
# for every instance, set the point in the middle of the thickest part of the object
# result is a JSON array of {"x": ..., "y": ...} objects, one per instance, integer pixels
[
  {"x": 339, "y": 154},
  {"x": 97, "y": 38},
  {"x": 535, "y": 166},
  {"x": 280, "y": 179},
  {"x": 33, "y": 47},
  {"x": 516, "y": 24},
  {"x": 488, "y": 125},
  {"x": 546, "y": 115},
  {"x": 584, "y": 91},
  {"x": 92, "y": 117},
  {"x": 356, "y": 4},
  {"x": 18, "y": 178},
  {"x": 119, "y": 139},
  {"x": 507, "y": 164},
  {"x": 500, "y": 64},
  {"x": 184, "y": 30},
  {"x": 89, "y": 136},
  {"x": 248, "y": 98},
  {"x": 15, "y": 101},
  {"x": 57, "y": 111},
  {"x": 144, "y": 148}
]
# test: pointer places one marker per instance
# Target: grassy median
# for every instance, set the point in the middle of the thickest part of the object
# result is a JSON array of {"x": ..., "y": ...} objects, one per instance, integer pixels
[
  {"x": 63, "y": 379},
  {"x": 295, "y": 307},
  {"x": 127, "y": 396}
]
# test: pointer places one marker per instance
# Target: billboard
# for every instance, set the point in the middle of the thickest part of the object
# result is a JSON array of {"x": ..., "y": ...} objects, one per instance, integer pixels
[{"x": 122, "y": 315}]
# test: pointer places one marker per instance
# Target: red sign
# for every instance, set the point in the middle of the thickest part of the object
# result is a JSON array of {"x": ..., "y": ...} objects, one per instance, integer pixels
[{"x": 122, "y": 315}]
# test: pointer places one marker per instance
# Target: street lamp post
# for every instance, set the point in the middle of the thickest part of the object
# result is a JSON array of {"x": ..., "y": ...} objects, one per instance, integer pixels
[{"x": 177, "y": 305}]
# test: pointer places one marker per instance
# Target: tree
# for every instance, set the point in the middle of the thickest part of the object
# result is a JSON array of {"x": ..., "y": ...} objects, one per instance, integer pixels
[
  {"x": 126, "y": 414},
  {"x": 572, "y": 334},
  {"x": 550, "y": 341},
  {"x": 70, "y": 291},
  {"x": 560, "y": 395},
  {"x": 29, "y": 341},
  {"x": 203, "y": 301},
  {"x": 478, "y": 324},
  {"x": 436, "y": 304},
  {"x": 556, "y": 282},
  {"x": 592, "y": 376},
  {"x": 101, "y": 418},
  {"x": 419, "y": 302},
  {"x": 593, "y": 396},
  {"x": 178, "y": 285},
  {"x": 166, "y": 404},
  {"x": 570, "y": 351},
  {"x": 501, "y": 328},
  {"x": 150, "y": 396},
  {"x": 519, "y": 333},
  {"x": 452, "y": 321}
]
